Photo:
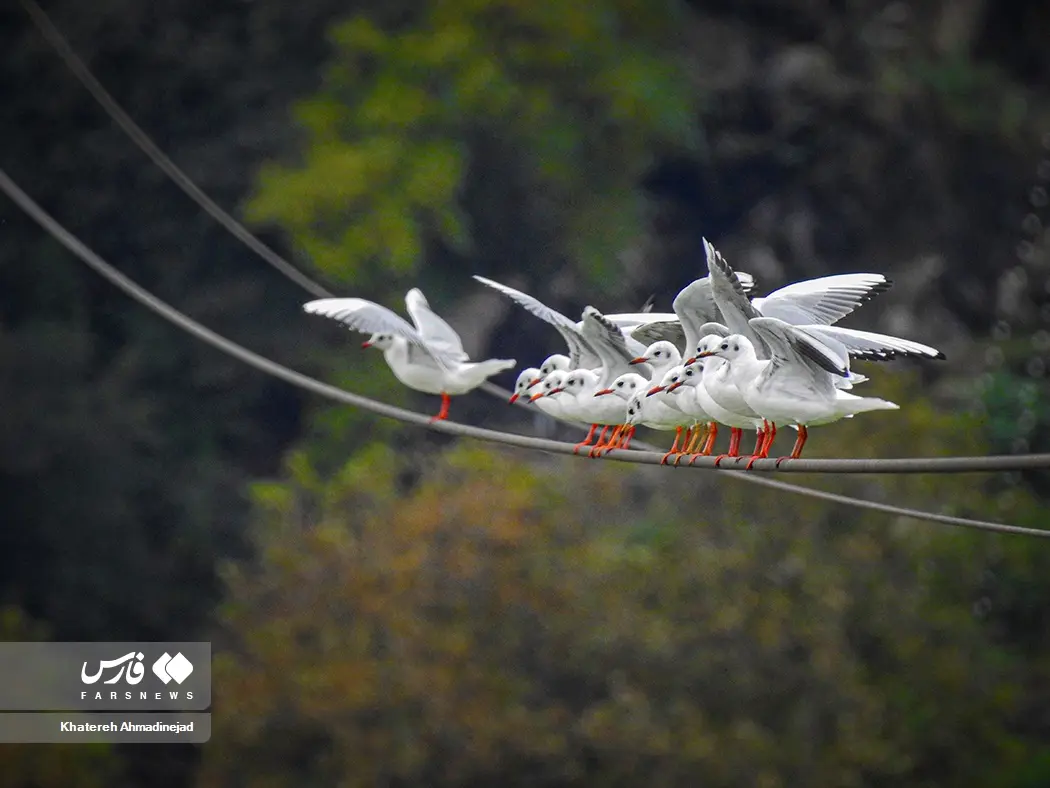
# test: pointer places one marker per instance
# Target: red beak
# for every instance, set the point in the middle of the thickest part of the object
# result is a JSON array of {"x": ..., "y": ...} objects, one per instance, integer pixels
[
  {"x": 555, "y": 391},
  {"x": 639, "y": 360},
  {"x": 655, "y": 390},
  {"x": 603, "y": 392},
  {"x": 366, "y": 344},
  {"x": 674, "y": 385},
  {"x": 514, "y": 397},
  {"x": 690, "y": 361},
  {"x": 536, "y": 396},
  {"x": 533, "y": 383}
]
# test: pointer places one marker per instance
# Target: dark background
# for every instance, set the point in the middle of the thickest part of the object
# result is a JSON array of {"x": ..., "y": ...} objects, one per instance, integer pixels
[{"x": 136, "y": 463}]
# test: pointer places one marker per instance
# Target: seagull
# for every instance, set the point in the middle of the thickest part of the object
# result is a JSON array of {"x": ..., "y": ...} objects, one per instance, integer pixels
[
  {"x": 812, "y": 306},
  {"x": 427, "y": 357},
  {"x": 660, "y": 356},
  {"x": 527, "y": 378},
  {"x": 581, "y": 385},
  {"x": 694, "y": 395},
  {"x": 670, "y": 392},
  {"x": 794, "y": 386},
  {"x": 642, "y": 410},
  {"x": 551, "y": 384},
  {"x": 631, "y": 384}
]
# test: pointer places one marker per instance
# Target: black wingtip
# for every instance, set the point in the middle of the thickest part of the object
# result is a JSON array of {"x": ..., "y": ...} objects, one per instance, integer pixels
[{"x": 876, "y": 290}]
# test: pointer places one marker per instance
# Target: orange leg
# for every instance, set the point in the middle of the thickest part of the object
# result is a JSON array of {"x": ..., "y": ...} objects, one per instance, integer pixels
[
  {"x": 712, "y": 433},
  {"x": 771, "y": 434},
  {"x": 760, "y": 438},
  {"x": 674, "y": 446},
  {"x": 800, "y": 441},
  {"x": 735, "y": 434},
  {"x": 598, "y": 444},
  {"x": 700, "y": 432},
  {"x": 629, "y": 433},
  {"x": 443, "y": 413},
  {"x": 586, "y": 441},
  {"x": 603, "y": 445}
]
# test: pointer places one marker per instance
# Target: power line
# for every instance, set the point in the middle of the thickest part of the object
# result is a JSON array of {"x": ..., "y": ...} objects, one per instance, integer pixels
[
  {"x": 172, "y": 170},
  {"x": 146, "y": 144},
  {"x": 307, "y": 383}
]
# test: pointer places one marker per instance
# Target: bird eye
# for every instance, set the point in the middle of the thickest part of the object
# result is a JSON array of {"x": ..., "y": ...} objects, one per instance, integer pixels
[
  {"x": 725, "y": 346},
  {"x": 689, "y": 372},
  {"x": 657, "y": 353},
  {"x": 619, "y": 385}
]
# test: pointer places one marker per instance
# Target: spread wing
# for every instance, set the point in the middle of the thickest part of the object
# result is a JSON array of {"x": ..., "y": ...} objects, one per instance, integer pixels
[
  {"x": 825, "y": 300},
  {"x": 611, "y": 346},
  {"x": 671, "y": 330},
  {"x": 371, "y": 318},
  {"x": 581, "y": 354},
  {"x": 869, "y": 345},
  {"x": 695, "y": 305},
  {"x": 732, "y": 300},
  {"x": 632, "y": 319},
  {"x": 438, "y": 334},
  {"x": 791, "y": 347}
]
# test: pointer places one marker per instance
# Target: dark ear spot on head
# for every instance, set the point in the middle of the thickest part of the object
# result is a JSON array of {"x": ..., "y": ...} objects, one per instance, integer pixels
[{"x": 736, "y": 347}]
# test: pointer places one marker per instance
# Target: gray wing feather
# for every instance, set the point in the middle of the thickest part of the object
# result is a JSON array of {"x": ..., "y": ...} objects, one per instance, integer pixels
[
  {"x": 438, "y": 334},
  {"x": 732, "y": 300},
  {"x": 695, "y": 305},
  {"x": 611, "y": 345},
  {"x": 871, "y": 346},
  {"x": 581, "y": 354},
  {"x": 670, "y": 330},
  {"x": 824, "y": 300},
  {"x": 790, "y": 345}
]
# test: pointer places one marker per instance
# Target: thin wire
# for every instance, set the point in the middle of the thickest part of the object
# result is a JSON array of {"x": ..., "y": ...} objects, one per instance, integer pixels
[
  {"x": 116, "y": 112},
  {"x": 143, "y": 140},
  {"x": 269, "y": 367}
]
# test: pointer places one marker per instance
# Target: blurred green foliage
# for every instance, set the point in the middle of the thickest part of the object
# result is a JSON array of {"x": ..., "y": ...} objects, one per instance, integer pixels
[
  {"x": 440, "y": 126},
  {"x": 514, "y": 622}
]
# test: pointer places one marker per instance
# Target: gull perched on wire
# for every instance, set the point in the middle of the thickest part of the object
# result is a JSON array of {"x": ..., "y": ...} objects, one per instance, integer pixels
[
  {"x": 794, "y": 386},
  {"x": 428, "y": 357},
  {"x": 615, "y": 357},
  {"x": 658, "y": 415},
  {"x": 578, "y": 391}
]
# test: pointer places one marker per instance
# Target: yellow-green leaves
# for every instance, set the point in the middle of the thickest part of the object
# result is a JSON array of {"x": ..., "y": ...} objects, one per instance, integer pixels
[{"x": 569, "y": 102}]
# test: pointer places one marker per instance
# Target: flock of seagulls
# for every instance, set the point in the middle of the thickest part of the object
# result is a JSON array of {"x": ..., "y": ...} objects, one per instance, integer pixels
[{"x": 720, "y": 359}]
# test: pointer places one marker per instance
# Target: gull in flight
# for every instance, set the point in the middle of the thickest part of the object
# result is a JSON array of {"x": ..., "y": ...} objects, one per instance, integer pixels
[{"x": 427, "y": 357}]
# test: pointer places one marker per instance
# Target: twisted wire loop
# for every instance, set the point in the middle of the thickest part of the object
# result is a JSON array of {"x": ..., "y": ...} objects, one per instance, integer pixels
[{"x": 184, "y": 322}]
